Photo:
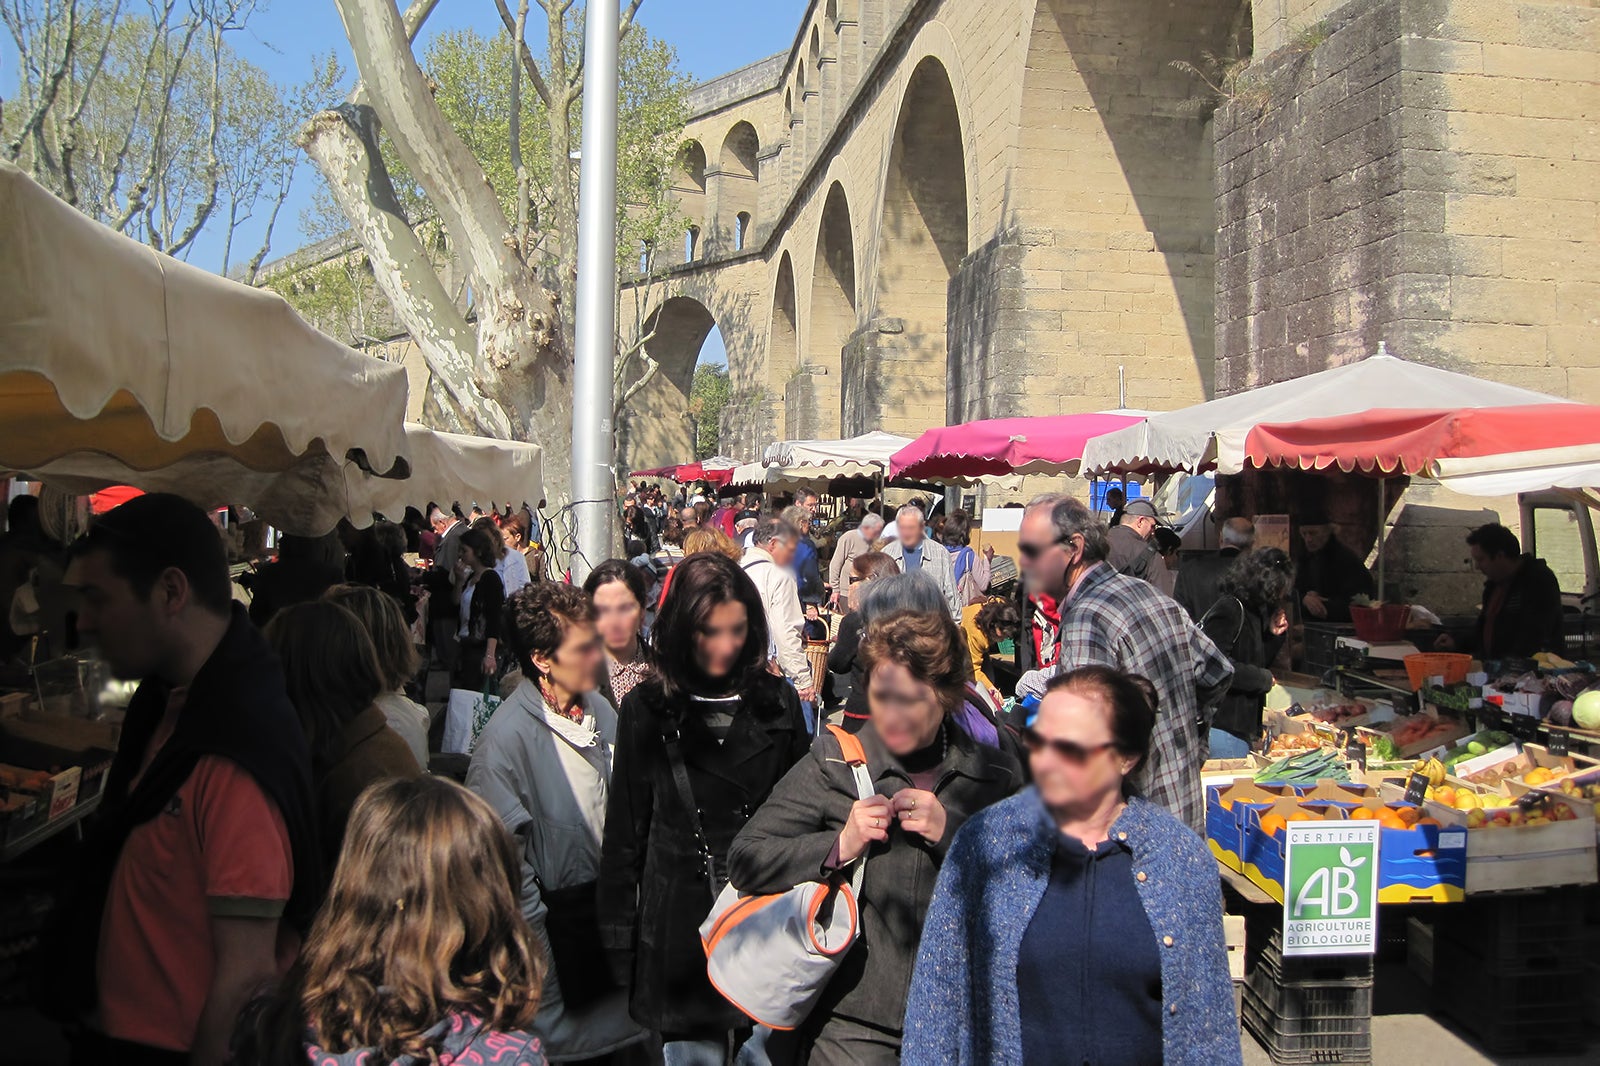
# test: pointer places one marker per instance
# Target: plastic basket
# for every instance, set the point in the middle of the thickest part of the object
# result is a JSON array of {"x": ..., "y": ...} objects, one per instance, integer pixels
[
  {"x": 1328, "y": 1040},
  {"x": 1451, "y": 665},
  {"x": 1382, "y": 624}
]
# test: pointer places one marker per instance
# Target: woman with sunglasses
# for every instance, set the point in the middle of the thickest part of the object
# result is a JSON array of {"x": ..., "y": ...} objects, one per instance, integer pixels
[
  {"x": 1076, "y": 921},
  {"x": 931, "y": 775}
]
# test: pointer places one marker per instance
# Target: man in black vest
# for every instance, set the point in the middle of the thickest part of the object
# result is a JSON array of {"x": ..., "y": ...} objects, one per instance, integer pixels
[{"x": 205, "y": 846}]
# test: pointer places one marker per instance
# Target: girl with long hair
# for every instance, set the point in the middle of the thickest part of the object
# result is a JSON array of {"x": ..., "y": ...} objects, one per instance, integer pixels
[{"x": 421, "y": 950}]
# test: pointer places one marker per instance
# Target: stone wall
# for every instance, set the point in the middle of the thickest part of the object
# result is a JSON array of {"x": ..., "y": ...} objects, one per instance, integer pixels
[{"x": 1424, "y": 172}]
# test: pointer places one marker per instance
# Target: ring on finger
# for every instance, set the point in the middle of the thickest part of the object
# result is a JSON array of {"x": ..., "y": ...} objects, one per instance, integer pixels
[
  {"x": 877, "y": 823},
  {"x": 913, "y": 804}
]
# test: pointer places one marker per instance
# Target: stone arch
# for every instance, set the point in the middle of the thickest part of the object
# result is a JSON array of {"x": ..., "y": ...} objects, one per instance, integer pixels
[
  {"x": 830, "y": 321},
  {"x": 897, "y": 382},
  {"x": 656, "y": 428},
  {"x": 738, "y": 186},
  {"x": 783, "y": 342},
  {"x": 689, "y": 186},
  {"x": 815, "y": 55}
]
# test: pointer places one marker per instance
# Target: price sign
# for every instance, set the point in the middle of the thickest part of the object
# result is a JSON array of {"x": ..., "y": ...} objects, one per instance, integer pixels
[
  {"x": 1417, "y": 789},
  {"x": 1557, "y": 741},
  {"x": 1356, "y": 752},
  {"x": 1523, "y": 727}
]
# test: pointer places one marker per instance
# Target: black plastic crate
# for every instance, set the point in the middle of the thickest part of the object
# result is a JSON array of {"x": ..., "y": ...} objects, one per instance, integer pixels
[
  {"x": 1515, "y": 933},
  {"x": 1510, "y": 1013},
  {"x": 1306, "y": 1006},
  {"x": 1309, "y": 1041}
]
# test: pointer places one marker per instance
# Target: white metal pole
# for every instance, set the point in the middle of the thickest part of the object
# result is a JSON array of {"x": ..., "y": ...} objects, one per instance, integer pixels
[{"x": 593, "y": 458}]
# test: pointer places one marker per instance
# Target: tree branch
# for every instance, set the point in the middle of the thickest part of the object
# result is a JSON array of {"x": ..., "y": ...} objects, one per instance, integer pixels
[
  {"x": 515, "y": 325},
  {"x": 343, "y": 144},
  {"x": 412, "y": 19},
  {"x": 50, "y": 87},
  {"x": 529, "y": 64},
  {"x": 519, "y": 35}
]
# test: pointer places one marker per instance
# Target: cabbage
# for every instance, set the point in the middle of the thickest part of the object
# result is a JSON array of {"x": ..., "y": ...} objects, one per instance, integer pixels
[{"x": 1586, "y": 710}]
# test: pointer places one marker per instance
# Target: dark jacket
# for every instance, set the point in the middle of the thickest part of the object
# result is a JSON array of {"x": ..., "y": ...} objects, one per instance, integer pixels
[
  {"x": 963, "y": 1006},
  {"x": 285, "y": 583},
  {"x": 236, "y": 708},
  {"x": 844, "y": 662},
  {"x": 808, "y": 571},
  {"x": 1338, "y": 575},
  {"x": 369, "y": 751},
  {"x": 1200, "y": 581},
  {"x": 1130, "y": 553},
  {"x": 653, "y": 893},
  {"x": 792, "y": 836},
  {"x": 484, "y": 623},
  {"x": 1244, "y": 637},
  {"x": 1530, "y": 616}
]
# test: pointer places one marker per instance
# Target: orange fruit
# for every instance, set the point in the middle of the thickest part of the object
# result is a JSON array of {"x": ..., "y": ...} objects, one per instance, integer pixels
[
  {"x": 1302, "y": 815},
  {"x": 1364, "y": 814},
  {"x": 1272, "y": 824},
  {"x": 1390, "y": 820},
  {"x": 1428, "y": 821},
  {"x": 1410, "y": 815}
]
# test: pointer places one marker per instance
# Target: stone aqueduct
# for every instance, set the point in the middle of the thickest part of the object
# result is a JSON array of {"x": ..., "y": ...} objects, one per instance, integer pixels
[{"x": 937, "y": 210}]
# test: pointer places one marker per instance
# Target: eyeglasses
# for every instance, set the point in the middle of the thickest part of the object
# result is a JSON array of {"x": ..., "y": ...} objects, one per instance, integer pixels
[
  {"x": 1033, "y": 551},
  {"x": 1073, "y": 752}
]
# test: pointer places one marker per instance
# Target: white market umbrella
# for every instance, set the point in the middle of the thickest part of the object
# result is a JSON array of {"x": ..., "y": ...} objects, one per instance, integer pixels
[
  {"x": 448, "y": 467},
  {"x": 1213, "y": 434},
  {"x": 120, "y": 365}
]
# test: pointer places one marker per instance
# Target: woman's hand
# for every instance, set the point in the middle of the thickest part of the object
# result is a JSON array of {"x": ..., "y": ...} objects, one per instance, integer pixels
[
  {"x": 867, "y": 825},
  {"x": 1280, "y": 623},
  {"x": 988, "y": 552},
  {"x": 488, "y": 664},
  {"x": 920, "y": 813}
]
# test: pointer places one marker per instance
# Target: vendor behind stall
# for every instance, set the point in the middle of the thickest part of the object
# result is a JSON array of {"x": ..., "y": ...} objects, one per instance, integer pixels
[
  {"x": 1521, "y": 612},
  {"x": 1331, "y": 575}
]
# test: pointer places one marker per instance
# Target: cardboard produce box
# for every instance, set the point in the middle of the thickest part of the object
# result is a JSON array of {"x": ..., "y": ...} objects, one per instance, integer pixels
[
  {"x": 1225, "y": 809},
  {"x": 1521, "y": 856}
]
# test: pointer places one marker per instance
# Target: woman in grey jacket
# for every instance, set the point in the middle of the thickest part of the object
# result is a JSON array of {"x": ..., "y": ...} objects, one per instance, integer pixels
[
  {"x": 1076, "y": 922},
  {"x": 544, "y": 764}
]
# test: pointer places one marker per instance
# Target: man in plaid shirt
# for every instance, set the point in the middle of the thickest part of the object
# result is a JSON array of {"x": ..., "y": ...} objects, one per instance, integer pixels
[{"x": 1127, "y": 624}]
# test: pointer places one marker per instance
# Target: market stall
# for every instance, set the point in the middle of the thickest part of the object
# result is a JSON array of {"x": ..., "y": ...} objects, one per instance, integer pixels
[
  {"x": 716, "y": 471},
  {"x": 451, "y": 467},
  {"x": 1212, "y": 435},
  {"x": 122, "y": 366},
  {"x": 793, "y": 464},
  {"x": 1049, "y": 445}
]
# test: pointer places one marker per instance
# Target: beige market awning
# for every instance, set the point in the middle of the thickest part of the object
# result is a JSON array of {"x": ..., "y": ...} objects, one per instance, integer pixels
[
  {"x": 450, "y": 467},
  {"x": 122, "y": 365}
]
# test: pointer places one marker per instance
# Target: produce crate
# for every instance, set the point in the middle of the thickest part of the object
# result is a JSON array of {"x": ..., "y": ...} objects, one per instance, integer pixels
[
  {"x": 1516, "y": 935},
  {"x": 1312, "y": 1040},
  {"x": 1509, "y": 1014},
  {"x": 1224, "y": 823},
  {"x": 1307, "y": 1010},
  {"x": 1452, "y": 666},
  {"x": 1321, "y": 640}
]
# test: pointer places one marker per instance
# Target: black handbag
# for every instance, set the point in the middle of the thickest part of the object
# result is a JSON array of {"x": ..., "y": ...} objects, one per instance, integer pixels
[{"x": 572, "y": 930}]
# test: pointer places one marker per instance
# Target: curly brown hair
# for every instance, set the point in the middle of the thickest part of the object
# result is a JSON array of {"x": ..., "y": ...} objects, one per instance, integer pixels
[
  {"x": 927, "y": 644},
  {"x": 541, "y": 617},
  {"x": 424, "y": 919}
]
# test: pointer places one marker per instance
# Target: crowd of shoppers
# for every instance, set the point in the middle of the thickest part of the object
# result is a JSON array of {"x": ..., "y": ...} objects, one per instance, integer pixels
[{"x": 322, "y": 898}]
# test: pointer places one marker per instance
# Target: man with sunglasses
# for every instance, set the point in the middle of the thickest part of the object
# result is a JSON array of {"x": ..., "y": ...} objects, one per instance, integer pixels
[{"x": 1125, "y": 623}]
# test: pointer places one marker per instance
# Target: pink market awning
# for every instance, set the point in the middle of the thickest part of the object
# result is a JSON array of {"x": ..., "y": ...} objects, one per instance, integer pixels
[
  {"x": 1050, "y": 445},
  {"x": 716, "y": 472},
  {"x": 1473, "y": 441}
]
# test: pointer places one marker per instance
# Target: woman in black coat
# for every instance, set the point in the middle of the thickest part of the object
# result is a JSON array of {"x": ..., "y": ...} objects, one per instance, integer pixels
[
  {"x": 931, "y": 776},
  {"x": 1248, "y": 622},
  {"x": 715, "y": 722},
  {"x": 842, "y": 659},
  {"x": 483, "y": 598}
]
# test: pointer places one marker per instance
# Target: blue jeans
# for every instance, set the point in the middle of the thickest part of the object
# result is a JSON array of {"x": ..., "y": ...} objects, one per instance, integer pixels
[
  {"x": 1225, "y": 745},
  {"x": 809, "y": 709},
  {"x": 753, "y": 1052}
]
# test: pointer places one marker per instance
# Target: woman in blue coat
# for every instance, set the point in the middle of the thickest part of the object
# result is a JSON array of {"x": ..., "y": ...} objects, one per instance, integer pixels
[{"x": 1076, "y": 922}]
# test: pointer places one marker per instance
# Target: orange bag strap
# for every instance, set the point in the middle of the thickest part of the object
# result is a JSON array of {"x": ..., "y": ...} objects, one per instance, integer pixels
[{"x": 849, "y": 745}]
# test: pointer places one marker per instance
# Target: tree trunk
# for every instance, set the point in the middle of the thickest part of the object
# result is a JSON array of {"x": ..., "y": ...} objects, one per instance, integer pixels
[
  {"x": 343, "y": 144},
  {"x": 520, "y": 360}
]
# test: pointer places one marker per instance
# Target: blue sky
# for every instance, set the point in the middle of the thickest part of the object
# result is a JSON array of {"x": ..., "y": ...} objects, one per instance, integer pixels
[{"x": 711, "y": 37}]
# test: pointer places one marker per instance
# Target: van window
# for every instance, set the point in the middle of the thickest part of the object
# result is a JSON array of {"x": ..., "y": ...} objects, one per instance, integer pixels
[{"x": 1558, "y": 540}]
